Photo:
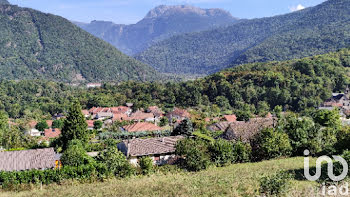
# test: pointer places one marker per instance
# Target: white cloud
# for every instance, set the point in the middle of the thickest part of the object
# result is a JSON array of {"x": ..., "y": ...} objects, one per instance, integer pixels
[{"x": 296, "y": 8}]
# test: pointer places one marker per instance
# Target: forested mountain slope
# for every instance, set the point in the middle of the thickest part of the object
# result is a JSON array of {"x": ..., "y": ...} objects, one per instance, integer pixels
[
  {"x": 311, "y": 31},
  {"x": 160, "y": 23},
  {"x": 35, "y": 45}
]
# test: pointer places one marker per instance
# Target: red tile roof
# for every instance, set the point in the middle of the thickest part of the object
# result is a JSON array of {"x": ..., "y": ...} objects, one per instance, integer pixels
[
  {"x": 179, "y": 112},
  {"x": 90, "y": 123},
  {"x": 142, "y": 126},
  {"x": 85, "y": 112},
  {"x": 120, "y": 110},
  {"x": 230, "y": 118},
  {"x": 52, "y": 133},
  {"x": 119, "y": 117}
]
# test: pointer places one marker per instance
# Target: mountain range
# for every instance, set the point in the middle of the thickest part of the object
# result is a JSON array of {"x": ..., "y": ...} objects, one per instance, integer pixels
[
  {"x": 312, "y": 31},
  {"x": 35, "y": 45},
  {"x": 160, "y": 23}
]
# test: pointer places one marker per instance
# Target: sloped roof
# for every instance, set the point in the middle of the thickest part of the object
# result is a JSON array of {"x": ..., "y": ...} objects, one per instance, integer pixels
[
  {"x": 245, "y": 131},
  {"x": 230, "y": 118},
  {"x": 139, "y": 115},
  {"x": 152, "y": 146},
  {"x": 179, "y": 112},
  {"x": 52, "y": 133},
  {"x": 120, "y": 110},
  {"x": 220, "y": 126},
  {"x": 142, "y": 126},
  {"x": 27, "y": 159},
  {"x": 90, "y": 123}
]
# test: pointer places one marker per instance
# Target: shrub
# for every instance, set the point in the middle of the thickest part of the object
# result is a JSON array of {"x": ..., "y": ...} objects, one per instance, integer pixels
[
  {"x": 184, "y": 128},
  {"x": 75, "y": 155},
  {"x": 221, "y": 152},
  {"x": 242, "y": 152},
  {"x": 115, "y": 162},
  {"x": 195, "y": 154},
  {"x": 274, "y": 185},
  {"x": 270, "y": 143},
  {"x": 146, "y": 165},
  {"x": 42, "y": 125}
]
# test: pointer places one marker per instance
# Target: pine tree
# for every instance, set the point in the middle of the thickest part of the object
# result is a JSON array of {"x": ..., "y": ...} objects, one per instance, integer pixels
[{"x": 75, "y": 126}]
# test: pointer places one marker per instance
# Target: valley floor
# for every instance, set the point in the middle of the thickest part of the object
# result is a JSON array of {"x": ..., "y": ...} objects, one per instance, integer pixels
[{"x": 233, "y": 180}]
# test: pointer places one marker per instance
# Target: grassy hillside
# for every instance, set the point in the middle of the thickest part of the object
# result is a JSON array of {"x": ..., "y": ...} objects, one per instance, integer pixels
[
  {"x": 35, "y": 45},
  {"x": 308, "y": 32},
  {"x": 234, "y": 180}
]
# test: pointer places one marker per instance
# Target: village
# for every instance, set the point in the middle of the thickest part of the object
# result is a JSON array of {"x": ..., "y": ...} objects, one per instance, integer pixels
[{"x": 143, "y": 132}]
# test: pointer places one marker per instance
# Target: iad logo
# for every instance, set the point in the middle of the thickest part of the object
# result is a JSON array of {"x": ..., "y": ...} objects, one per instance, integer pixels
[
  {"x": 330, "y": 190},
  {"x": 329, "y": 167}
]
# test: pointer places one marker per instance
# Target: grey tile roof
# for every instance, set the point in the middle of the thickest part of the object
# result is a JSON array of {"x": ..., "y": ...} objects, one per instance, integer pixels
[
  {"x": 152, "y": 146},
  {"x": 27, "y": 159}
]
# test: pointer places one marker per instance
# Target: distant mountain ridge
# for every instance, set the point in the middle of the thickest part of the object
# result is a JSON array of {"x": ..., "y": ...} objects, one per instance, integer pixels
[
  {"x": 160, "y": 23},
  {"x": 312, "y": 31},
  {"x": 35, "y": 45},
  {"x": 4, "y": 2}
]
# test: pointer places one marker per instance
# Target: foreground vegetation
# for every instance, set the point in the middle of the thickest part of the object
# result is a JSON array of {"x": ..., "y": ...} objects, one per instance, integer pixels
[{"x": 233, "y": 180}]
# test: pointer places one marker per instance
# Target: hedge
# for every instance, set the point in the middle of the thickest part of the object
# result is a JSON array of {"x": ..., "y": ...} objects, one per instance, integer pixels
[{"x": 48, "y": 176}]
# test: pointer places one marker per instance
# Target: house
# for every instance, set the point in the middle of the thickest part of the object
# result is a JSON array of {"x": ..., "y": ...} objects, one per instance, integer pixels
[
  {"x": 121, "y": 110},
  {"x": 230, "y": 118},
  {"x": 156, "y": 111},
  {"x": 93, "y": 85},
  {"x": 220, "y": 126},
  {"x": 105, "y": 112},
  {"x": 31, "y": 130},
  {"x": 245, "y": 131},
  {"x": 119, "y": 117},
  {"x": 39, "y": 159},
  {"x": 160, "y": 150},
  {"x": 142, "y": 127},
  {"x": 178, "y": 114},
  {"x": 86, "y": 113},
  {"x": 52, "y": 133},
  {"x": 90, "y": 124},
  {"x": 140, "y": 116},
  {"x": 339, "y": 101}
]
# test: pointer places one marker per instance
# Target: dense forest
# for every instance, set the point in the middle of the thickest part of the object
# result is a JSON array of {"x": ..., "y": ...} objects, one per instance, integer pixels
[
  {"x": 160, "y": 23},
  {"x": 248, "y": 89},
  {"x": 35, "y": 45},
  {"x": 312, "y": 31}
]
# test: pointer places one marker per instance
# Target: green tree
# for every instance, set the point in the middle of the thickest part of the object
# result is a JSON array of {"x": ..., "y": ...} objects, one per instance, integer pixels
[
  {"x": 75, "y": 126},
  {"x": 195, "y": 154},
  {"x": 146, "y": 165},
  {"x": 163, "y": 121},
  {"x": 184, "y": 128},
  {"x": 42, "y": 125},
  {"x": 75, "y": 155},
  {"x": 221, "y": 152},
  {"x": 57, "y": 124},
  {"x": 98, "y": 124},
  {"x": 4, "y": 127},
  {"x": 271, "y": 143},
  {"x": 115, "y": 161}
]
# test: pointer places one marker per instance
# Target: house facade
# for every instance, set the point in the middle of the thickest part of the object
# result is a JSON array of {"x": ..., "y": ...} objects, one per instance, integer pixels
[{"x": 160, "y": 150}]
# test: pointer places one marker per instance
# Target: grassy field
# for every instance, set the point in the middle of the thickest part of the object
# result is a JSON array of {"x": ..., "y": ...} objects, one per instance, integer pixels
[{"x": 233, "y": 180}]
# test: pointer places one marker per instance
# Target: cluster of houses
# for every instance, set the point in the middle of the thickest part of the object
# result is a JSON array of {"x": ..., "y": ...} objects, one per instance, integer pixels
[
  {"x": 160, "y": 149},
  {"x": 45, "y": 135}
]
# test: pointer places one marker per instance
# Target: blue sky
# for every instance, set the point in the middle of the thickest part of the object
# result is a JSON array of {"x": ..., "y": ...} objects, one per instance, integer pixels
[{"x": 131, "y": 11}]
